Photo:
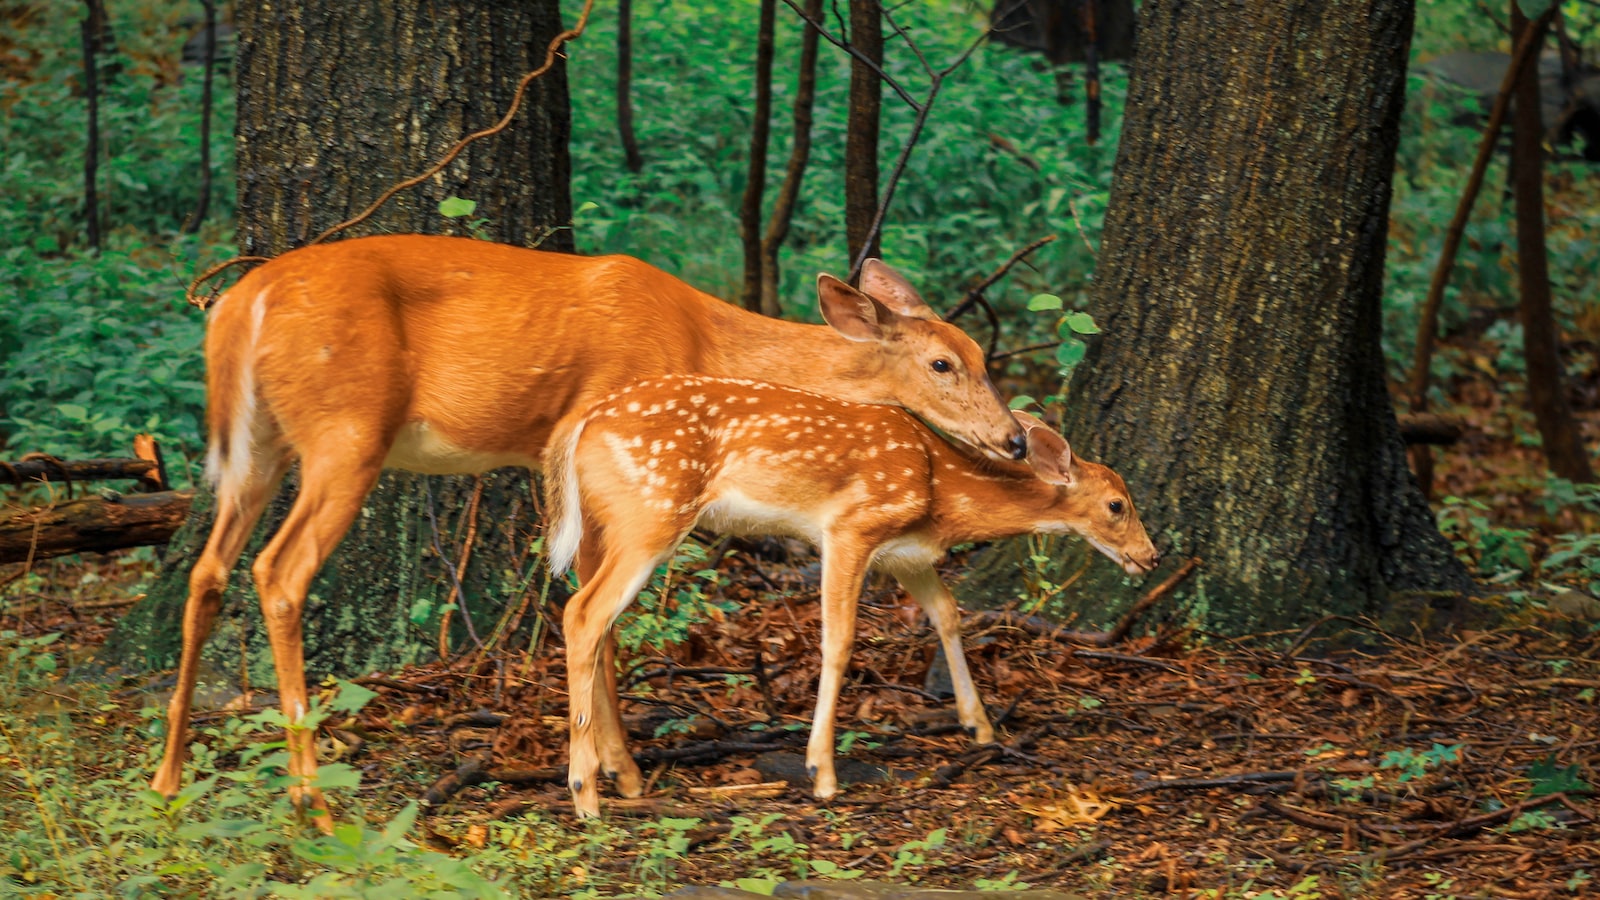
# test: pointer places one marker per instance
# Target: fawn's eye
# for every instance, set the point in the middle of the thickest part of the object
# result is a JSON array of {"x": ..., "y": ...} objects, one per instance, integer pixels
[
  {"x": 1116, "y": 507},
  {"x": 941, "y": 365}
]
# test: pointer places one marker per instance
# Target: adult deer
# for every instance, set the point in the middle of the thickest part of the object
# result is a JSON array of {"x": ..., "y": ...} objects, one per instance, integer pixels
[
  {"x": 866, "y": 484},
  {"x": 449, "y": 355}
]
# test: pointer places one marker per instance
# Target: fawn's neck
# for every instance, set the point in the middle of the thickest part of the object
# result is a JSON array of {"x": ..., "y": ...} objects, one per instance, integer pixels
[{"x": 979, "y": 499}]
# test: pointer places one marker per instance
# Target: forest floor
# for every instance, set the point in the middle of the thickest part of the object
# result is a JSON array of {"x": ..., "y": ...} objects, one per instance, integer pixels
[
  {"x": 1339, "y": 761},
  {"x": 1393, "y": 767}
]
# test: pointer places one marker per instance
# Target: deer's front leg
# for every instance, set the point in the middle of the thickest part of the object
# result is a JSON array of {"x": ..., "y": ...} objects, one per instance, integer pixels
[{"x": 843, "y": 566}]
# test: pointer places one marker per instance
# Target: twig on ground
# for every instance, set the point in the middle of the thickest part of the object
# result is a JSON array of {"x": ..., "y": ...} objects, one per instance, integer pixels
[{"x": 1125, "y": 625}]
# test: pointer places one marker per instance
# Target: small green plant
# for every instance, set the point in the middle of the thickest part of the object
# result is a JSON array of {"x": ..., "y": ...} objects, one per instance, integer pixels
[
  {"x": 459, "y": 208},
  {"x": 914, "y": 855},
  {"x": 1533, "y": 820},
  {"x": 680, "y": 593},
  {"x": 1439, "y": 886},
  {"x": 1579, "y": 881},
  {"x": 663, "y": 845},
  {"x": 1549, "y": 778},
  {"x": 1413, "y": 765},
  {"x": 1007, "y": 882},
  {"x": 1498, "y": 552},
  {"x": 850, "y": 739}
]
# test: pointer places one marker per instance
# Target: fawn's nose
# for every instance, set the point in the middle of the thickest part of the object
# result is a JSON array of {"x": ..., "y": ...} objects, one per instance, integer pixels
[{"x": 1018, "y": 445}]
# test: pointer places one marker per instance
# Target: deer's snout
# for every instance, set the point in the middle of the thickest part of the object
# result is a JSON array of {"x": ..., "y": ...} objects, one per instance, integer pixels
[{"x": 1140, "y": 563}]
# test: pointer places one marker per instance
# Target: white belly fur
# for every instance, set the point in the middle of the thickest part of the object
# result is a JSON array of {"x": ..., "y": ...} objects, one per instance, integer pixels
[{"x": 419, "y": 448}]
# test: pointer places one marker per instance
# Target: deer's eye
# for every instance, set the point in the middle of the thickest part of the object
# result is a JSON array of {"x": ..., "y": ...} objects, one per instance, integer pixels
[
  {"x": 941, "y": 365},
  {"x": 1116, "y": 507}
]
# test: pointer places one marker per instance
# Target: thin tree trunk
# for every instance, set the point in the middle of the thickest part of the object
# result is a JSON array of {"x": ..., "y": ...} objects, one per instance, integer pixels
[
  {"x": 861, "y": 136},
  {"x": 1522, "y": 57},
  {"x": 1563, "y": 446},
  {"x": 92, "y": 28},
  {"x": 630, "y": 143},
  {"x": 338, "y": 100},
  {"x": 1239, "y": 382},
  {"x": 209, "y": 61},
  {"x": 805, "y": 97},
  {"x": 755, "y": 185}
]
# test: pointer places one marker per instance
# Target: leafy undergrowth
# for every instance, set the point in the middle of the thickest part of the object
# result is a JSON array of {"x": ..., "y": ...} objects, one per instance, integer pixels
[{"x": 1392, "y": 767}]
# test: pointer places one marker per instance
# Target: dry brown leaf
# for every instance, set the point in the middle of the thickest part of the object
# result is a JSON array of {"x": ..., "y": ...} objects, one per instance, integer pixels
[{"x": 1079, "y": 806}]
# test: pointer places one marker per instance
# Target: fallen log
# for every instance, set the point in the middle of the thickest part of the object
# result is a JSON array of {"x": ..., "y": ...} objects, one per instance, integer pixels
[
  {"x": 92, "y": 524},
  {"x": 39, "y": 469},
  {"x": 1431, "y": 429}
]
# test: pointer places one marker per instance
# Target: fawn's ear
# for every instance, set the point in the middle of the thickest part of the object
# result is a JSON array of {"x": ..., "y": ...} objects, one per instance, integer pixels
[
  {"x": 849, "y": 311},
  {"x": 1048, "y": 453},
  {"x": 888, "y": 287}
]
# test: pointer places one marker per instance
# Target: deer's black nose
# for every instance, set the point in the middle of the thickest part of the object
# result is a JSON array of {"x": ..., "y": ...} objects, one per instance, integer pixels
[{"x": 1018, "y": 446}]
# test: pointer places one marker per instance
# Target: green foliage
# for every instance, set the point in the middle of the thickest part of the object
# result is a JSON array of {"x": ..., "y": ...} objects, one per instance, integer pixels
[
  {"x": 76, "y": 816},
  {"x": 1412, "y": 765},
  {"x": 1549, "y": 778},
  {"x": 106, "y": 349},
  {"x": 914, "y": 855},
  {"x": 149, "y": 126},
  {"x": 99, "y": 347},
  {"x": 674, "y": 600},
  {"x": 965, "y": 203},
  {"x": 1498, "y": 552}
]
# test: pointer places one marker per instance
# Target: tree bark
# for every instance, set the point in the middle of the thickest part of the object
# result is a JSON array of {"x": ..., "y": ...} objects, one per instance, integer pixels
[
  {"x": 755, "y": 185},
  {"x": 861, "y": 134},
  {"x": 805, "y": 98},
  {"x": 1541, "y": 345},
  {"x": 1238, "y": 386},
  {"x": 337, "y": 100},
  {"x": 630, "y": 142}
]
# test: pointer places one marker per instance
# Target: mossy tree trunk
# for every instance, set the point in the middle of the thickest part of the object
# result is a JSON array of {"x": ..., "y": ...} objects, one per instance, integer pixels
[
  {"x": 338, "y": 100},
  {"x": 1238, "y": 385}
]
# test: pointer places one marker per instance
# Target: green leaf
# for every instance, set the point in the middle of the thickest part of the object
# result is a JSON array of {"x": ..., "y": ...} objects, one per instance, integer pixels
[
  {"x": 1021, "y": 401},
  {"x": 1071, "y": 352},
  {"x": 351, "y": 696},
  {"x": 337, "y": 775},
  {"x": 1042, "y": 302},
  {"x": 456, "y": 207},
  {"x": 421, "y": 610},
  {"x": 1082, "y": 323},
  {"x": 72, "y": 411},
  {"x": 400, "y": 825},
  {"x": 1533, "y": 9},
  {"x": 585, "y": 206},
  {"x": 1548, "y": 778}
]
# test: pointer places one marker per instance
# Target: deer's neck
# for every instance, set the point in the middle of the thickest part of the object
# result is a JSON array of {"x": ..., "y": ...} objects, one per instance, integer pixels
[{"x": 812, "y": 357}]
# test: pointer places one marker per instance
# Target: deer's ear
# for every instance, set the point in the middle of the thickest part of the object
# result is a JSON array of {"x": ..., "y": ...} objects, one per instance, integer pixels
[
  {"x": 1048, "y": 453},
  {"x": 886, "y": 286},
  {"x": 849, "y": 311}
]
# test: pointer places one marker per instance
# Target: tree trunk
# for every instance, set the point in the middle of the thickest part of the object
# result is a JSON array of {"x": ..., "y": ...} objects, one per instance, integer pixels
[
  {"x": 209, "y": 63},
  {"x": 861, "y": 135},
  {"x": 1558, "y": 432},
  {"x": 630, "y": 142},
  {"x": 91, "y": 29},
  {"x": 755, "y": 185},
  {"x": 783, "y": 205},
  {"x": 337, "y": 100},
  {"x": 1238, "y": 385}
]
